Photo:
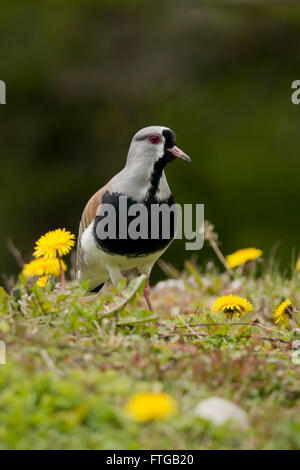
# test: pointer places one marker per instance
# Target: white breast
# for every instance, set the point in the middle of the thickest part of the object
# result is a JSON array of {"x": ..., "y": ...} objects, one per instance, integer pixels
[{"x": 100, "y": 266}]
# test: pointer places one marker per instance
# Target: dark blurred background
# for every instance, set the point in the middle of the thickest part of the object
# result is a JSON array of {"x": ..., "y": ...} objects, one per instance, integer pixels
[{"x": 83, "y": 76}]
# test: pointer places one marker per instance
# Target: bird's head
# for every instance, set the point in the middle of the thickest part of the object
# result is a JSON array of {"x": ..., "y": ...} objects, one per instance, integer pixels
[{"x": 152, "y": 144}]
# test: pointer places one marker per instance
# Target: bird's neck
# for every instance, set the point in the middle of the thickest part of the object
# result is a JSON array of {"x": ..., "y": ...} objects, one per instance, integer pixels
[
  {"x": 144, "y": 184},
  {"x": 157, "y": 179}
]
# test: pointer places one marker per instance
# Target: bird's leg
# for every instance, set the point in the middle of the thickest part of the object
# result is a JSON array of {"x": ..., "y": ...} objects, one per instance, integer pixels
[{"x": 147, "y": 291}]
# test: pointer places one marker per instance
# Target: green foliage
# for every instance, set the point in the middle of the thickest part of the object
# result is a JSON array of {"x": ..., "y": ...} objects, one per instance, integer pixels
[{"x": 74, "y": 361}]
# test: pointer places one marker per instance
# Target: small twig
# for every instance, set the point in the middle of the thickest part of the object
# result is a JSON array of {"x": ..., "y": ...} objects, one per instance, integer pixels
[
  {"x": 97, "y": 326},
  {"x": 188, "y": 326},
  {"x": 49, "y": 362},
  {"x": 168, "y": 269},
  {"x": 267, "y": 338},
  {"x": 220, "y": 256},
  {"x": 169, "y": 335},
  {"x": 238, "y": 323},
  {"x": 211, "y": 236},
  {"x": 8, "y": 281},
  {"x": 15, "y": 252}
]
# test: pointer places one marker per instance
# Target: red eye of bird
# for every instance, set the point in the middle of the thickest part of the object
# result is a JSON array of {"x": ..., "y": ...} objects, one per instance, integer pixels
[{"x": 154, "y": 139}]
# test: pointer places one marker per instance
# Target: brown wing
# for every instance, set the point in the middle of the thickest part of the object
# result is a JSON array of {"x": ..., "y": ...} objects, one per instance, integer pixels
[{"x": 88, "y": 215}]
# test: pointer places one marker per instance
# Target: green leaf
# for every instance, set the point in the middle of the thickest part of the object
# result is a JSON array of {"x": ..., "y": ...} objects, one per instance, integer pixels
[
  {"x": 120, "y": 286},
  {"x": 120, "y": 301},
  {"x": 138, "y": 315}
]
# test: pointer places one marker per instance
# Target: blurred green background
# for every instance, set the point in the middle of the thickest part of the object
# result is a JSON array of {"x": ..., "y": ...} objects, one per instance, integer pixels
[{"x": 83, "y": 76}]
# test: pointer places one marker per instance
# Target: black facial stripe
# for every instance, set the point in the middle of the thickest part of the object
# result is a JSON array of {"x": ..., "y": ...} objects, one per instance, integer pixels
[
  {"x": 158, "y": 167},
  {"x": 156, "y": 174},
  {"x": 170, "y": 137},
  {"x": 160, "y": 164}
]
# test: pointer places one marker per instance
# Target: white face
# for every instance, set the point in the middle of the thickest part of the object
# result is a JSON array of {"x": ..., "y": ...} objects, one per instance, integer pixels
[{"x": 147, "y": 146}]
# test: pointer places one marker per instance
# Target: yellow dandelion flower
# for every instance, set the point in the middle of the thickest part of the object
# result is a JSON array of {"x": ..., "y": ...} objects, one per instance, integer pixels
[
  {"x": 241, "y": 257},
  {"x": 54, "y": 243},
  {"x": 284, "y": 311},
  {"x": 298, "y": 264},
  {"x": 232, "y": 305},
  {"x": 42, "y": 266},
  {"x": 149, "y": 406},
  {"x": 42, "y": 281}
]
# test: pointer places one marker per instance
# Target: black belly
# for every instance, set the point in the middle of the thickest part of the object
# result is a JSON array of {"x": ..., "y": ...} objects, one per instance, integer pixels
[{"x": 158, "y": 238}]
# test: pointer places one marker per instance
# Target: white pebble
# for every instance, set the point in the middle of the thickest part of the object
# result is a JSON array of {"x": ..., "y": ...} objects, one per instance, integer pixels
[{"x": 219, "y": 411}]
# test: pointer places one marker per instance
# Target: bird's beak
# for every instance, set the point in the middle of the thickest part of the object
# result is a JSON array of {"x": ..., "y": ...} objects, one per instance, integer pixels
[{"x": 179, "y": 153}]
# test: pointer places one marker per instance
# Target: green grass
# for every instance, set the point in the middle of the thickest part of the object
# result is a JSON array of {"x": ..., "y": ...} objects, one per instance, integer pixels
[{"x": 72, "y": 366}]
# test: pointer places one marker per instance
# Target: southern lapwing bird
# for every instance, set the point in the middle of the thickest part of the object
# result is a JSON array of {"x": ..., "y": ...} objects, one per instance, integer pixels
[{"x": 142, "y": 181}]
